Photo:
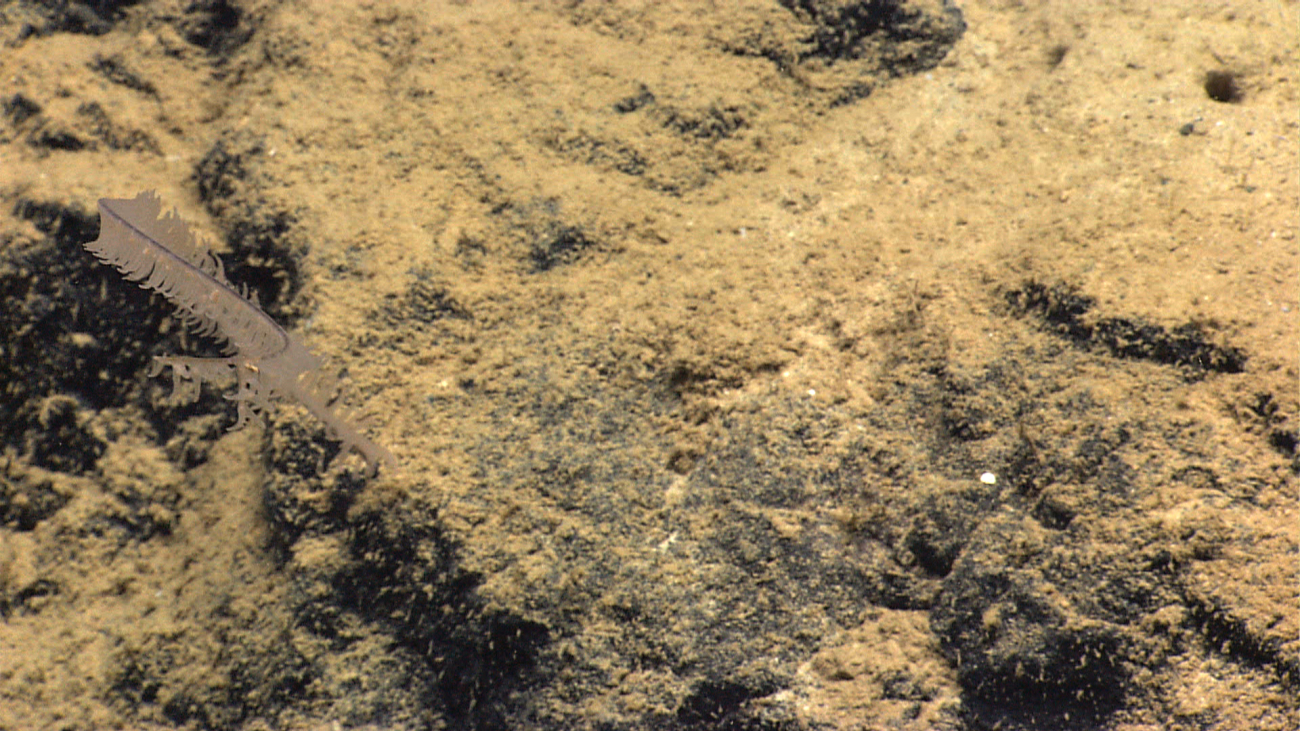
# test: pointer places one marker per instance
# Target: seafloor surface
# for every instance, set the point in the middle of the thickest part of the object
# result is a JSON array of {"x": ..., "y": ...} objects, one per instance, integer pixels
[{"x": 771, "y": 365}]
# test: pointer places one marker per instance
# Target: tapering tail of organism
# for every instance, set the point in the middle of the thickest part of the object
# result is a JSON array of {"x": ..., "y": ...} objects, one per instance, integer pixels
[{"x": 161, "y": 253}]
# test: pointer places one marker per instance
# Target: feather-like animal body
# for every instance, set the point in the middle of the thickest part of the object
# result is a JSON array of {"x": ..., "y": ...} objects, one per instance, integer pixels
[{"x": 161, "y": 253}]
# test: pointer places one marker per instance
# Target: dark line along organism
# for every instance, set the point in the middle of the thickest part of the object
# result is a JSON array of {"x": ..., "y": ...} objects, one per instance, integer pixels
[{"x": 161, "y": 253}]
